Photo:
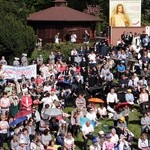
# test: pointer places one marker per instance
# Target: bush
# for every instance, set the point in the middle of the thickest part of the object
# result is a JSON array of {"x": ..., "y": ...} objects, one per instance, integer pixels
[{"x": 64, "y": 48}]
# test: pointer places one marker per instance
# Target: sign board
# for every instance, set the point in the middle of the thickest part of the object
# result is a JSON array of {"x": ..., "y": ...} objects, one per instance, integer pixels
[
  {"x": 125, "y": 13},
  {"x": 16, "y": 72}
]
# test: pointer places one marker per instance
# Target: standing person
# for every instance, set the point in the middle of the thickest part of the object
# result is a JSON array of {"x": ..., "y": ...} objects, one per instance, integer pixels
[
  {"x": 39, "y": 60},
  {"x": 4, "y": 103},
  {"x": 26, "y": 101},
  {"x": 119, "y": 17},
  {"x": 14, "y": 107},
  {"x": 86, "y": 37},
  {"x": 3, "y": 61},
  {"x": 57, "y": 40},
  {"x": 4, "y": 126},
  {"x": 16, "y": 62},
  {"x": 24, "y": 60},
  {"x": 52, "y": 58},
  {"x": 73, "y": 38}
]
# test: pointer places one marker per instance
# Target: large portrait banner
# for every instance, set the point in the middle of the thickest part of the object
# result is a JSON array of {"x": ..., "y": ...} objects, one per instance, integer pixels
[{"x": 125, "y": 13}]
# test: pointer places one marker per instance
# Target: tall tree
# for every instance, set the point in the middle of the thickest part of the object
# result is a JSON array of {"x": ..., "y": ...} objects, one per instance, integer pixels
[{"x": 15, "y": 36}]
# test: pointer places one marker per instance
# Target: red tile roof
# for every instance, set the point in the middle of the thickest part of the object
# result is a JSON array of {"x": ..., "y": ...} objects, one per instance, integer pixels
[{"x": 61, "y": 13}]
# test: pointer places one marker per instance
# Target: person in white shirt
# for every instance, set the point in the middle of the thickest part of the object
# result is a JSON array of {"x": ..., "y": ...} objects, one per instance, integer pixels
[
  {"x": 4, "y": 103},
  {"x": 92, "y": 58},
  {"x": 47, "y": 87},
  {"x": 4, "y": 126},
  {"x": 53, "y": 95},
  {"x": 111, "y": 99},
  {"x": 87, "y": 130},
  {"x": 123, "y": 144},
  {"x": 143, "y": 141},
  {"x": 114, "y": 137},
  {"x": 73, "y": 37},
  {"x": 47, "y": 100},
  {"x": 69, "y": 142},
  {"x": 43, "y": 68},
  {"x": 91, "y": 115},
  {"x": 102, "y": 111}
]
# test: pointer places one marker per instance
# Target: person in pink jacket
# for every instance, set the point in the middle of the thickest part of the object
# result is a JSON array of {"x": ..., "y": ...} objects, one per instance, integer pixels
[{"x": 26, "y": 101}]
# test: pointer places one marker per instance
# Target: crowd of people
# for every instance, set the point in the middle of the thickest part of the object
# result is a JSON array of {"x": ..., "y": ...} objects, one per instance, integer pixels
[{"x": 119, "y": 75}]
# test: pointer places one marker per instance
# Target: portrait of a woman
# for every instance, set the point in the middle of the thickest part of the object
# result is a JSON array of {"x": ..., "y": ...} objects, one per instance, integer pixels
[{"x": 119, "y": 18}]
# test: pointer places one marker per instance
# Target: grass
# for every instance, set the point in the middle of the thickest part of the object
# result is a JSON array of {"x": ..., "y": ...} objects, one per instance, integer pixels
[{"x": 134, "y": 126}]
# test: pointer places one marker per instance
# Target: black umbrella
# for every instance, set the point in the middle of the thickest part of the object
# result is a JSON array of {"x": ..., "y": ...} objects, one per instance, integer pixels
[{"x": 63, "y": 83}]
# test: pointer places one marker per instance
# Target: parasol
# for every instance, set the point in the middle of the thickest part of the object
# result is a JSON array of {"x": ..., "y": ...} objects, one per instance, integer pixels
[
  {"x": 96, "y": 100},
  {"x": 83, "y": 121},
  {"x": 18, "y": 120},
  {"x": 22, "y": 113},
  {"x": 121, "y": 105},
  {"x": 53, "y": 112}
]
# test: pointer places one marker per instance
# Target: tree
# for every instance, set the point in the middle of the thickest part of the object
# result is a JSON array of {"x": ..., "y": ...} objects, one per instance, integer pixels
[
  {"x": 15, "y": 36},
  {"x": 145, "y": 12}
]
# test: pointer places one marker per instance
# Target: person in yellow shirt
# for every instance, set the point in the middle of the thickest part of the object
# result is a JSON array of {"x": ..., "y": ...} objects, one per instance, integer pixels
[{"x": 52, "y": 146}]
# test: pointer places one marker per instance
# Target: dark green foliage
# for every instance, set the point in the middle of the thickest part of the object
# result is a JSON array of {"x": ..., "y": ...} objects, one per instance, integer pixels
[{"x": 15, "y": 36}]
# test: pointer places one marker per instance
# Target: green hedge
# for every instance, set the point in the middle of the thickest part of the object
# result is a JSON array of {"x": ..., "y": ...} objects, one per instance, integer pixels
[{"x": 64, "y": 48}]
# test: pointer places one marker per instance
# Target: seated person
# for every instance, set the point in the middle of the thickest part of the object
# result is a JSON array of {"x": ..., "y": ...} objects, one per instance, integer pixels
[
  {"x": 145, "y": 122},
  {"x": 69, "y": 142},
  {"x": 101, "y": 111},
  {"x": 129, "y": 97},
  {"x": 87, "y": 132},
  {"x": 91, "y": 115}
]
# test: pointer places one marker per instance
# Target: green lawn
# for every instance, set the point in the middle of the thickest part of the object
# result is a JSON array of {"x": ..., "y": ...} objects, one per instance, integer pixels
[{"x": 134, "y": 126}]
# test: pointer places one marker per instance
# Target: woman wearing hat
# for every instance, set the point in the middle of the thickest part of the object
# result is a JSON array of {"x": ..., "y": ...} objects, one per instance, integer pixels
[
  {"x": 21, "y": 146},
  {"x": 95, "y": 145},
  {"x": 121, "y": 125},
  {"x": 101, "y": 138},
  {"x": 108, "y": 145}
]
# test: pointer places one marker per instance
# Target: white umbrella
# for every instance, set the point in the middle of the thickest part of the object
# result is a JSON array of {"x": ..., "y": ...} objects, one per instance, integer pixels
[{"x": 53, "y": 112}]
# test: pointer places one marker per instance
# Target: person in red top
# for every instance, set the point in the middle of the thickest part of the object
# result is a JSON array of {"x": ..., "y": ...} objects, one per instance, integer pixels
[
  {"x": 26, "y": 101},
  {"x": 38, "y": 81}
]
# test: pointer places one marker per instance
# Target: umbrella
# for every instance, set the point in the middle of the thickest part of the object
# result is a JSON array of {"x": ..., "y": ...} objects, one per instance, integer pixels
[
  {"x": 22, "y": 113},
  {"x": 53, "y": 112},
  {"x": 96, "y": 100},
  {"x": 18, "y": 120},
  {"x": 83, "y": 121},
  {"x": 63, "y": 83},
  {"x": 121, "y": 105},
  {"x": 96, "y": 87}
]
